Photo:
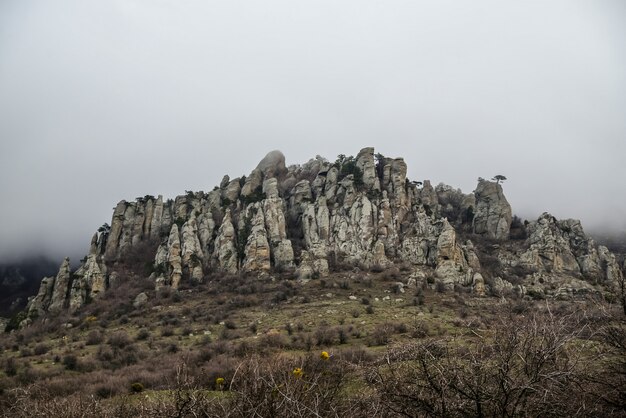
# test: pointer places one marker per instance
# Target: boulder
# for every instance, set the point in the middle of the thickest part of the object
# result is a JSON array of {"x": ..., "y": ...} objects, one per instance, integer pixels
[
  {"x": 272, "y": 165},
  {"x": 140, "y": 300}
]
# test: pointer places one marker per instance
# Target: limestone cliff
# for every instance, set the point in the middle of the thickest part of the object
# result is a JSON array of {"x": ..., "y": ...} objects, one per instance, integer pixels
[{"x": 358, "y": 211}]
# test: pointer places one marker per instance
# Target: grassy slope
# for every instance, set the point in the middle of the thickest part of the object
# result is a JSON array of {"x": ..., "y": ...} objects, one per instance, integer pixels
[{"x": 211, "y": 329}]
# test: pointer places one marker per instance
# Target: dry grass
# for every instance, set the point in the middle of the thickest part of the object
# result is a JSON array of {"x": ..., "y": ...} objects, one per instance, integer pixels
[{"x": 238, "y": 327}]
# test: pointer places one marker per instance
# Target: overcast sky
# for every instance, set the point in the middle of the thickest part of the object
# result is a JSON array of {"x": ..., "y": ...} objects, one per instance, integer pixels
[{"x": 108, "y": 100}]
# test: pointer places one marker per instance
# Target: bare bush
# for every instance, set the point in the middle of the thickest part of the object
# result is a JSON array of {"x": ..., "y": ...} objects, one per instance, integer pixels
[{"x": 528, "y": 368}]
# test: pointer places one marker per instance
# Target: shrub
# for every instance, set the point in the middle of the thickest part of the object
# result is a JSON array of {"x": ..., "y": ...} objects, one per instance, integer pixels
[
  {"x": 94, "y": 338},
  {"x": 380, "y": 335},
  {"x": 325, "y": 335},
  {"x": 143, "y": 334},
  {"x": 119, "y": 339},
  {"x": 136, "y": 387},
  {"x": 167, "y": 332},
  {"x": 26, "y": 352},
  {"x": 70, "y": 362},
  {"x": 10, "y": 366},
  {"x": 41, "y": 349}
]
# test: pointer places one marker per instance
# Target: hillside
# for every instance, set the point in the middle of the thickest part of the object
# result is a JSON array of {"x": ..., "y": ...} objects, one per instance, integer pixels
[
  {"x": 327, "y": 288},
  {"x": 356, "y": 212}
]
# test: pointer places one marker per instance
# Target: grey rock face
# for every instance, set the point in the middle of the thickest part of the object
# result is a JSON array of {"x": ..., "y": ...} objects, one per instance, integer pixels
[
  {"x": 225, "y": 251},
  {"x": 192, "y": 255},
  {"x": 257, "y": 249},
  {"x": 61, "y": 288},
  {"x": 38, "y": 306},
  {"x": 89, "y": 282},
  {"x": 174, "y": 259},
  {"x": 493, "y": 213},
  {"x": 365, "y": 162}
]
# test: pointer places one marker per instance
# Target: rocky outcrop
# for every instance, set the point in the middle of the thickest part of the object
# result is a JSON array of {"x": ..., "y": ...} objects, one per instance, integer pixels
[
  {"x": 38, "y": 306},
  {"x": 358, "y": 212},
  {"x": 452, "y": 267},
  {"x": 493, "y": 213},
  {"x": 561, "y": 247}
]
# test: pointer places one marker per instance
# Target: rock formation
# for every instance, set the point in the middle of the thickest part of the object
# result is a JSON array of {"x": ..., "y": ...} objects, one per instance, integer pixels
[
  {"x": 358, "y": 212},
  {"x": 493, "y": 213}
]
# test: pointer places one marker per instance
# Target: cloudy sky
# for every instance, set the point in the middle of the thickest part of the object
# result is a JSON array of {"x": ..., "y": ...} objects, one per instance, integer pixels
[{"x": 108, "y": 100}]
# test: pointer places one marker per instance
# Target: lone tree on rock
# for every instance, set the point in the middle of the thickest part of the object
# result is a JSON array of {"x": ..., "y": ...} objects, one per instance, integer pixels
[{"x": 499, "y": 178}]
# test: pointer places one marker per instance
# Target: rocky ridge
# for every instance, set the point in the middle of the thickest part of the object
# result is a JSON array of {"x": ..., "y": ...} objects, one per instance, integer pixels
[{"x": 357, "y": 212}]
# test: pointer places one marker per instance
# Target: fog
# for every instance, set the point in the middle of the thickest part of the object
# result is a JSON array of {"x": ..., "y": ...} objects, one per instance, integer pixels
[{"x": 103, "y": 101}]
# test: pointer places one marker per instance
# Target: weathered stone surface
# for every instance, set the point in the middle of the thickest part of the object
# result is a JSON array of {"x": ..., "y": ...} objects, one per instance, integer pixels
[
  {"x": 479, "y": 285},
  {"x": 428, "y": 197},
  {"x": 60, "y": 292},
  {"x": 157, "y": 216},
  {"x": 283, "y": 254},
  {"x": 206, "y": 226},
  {"x": 493, "y": 213},
  {"x": 116, "y": 230},
  {"x": 225, "y": 252},
  {"x": 613, "y": 273},
  {"x": 38, "y": 306},
  {"x": 192, "y": 255},
  {"x": 174, "y": 259},
  {"x": 231, "y": 193},
  {"x": 89, "y": 282},
  {"x": 500, "y": 287},
  {"x": 253, "y": 182},
  {"x": 365, "y": 162},
  {"x": 301, "y": 193},
  {"x": 550, "y": 250},
  {"x": 574, "y": 288},
  {"x": 257, "y": 251}
]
